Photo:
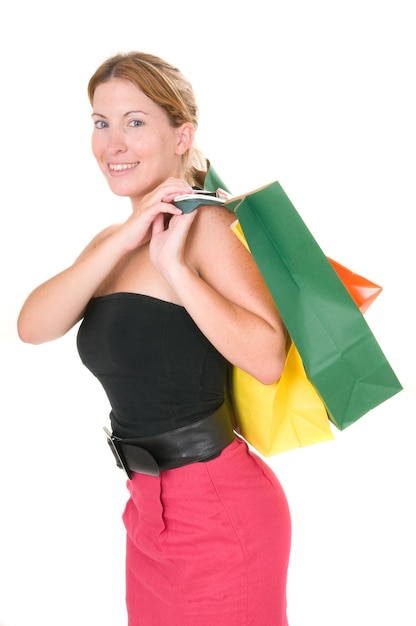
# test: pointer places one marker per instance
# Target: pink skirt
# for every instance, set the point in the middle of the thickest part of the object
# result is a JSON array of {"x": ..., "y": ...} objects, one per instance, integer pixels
[{"x": 208, "y": 544}]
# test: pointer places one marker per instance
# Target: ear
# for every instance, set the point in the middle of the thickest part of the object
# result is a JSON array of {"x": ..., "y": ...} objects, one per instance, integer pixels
[{"x": 186, "y": 134}]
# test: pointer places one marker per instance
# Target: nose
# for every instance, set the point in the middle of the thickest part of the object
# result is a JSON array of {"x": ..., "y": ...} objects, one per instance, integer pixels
[{"x": 116, "y": 141}]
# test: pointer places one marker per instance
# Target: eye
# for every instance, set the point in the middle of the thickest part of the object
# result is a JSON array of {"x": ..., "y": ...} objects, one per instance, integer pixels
[
  {"x": 136, "y": 123},
  {"x": 100, "y": 124}
]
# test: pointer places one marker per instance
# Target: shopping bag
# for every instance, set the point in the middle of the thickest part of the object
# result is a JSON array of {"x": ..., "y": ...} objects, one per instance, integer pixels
[
  {"x": 288, "y": 413},
  {"x": 279, "y": 417},
  {"x": 362, "y": 290},
  {"x": 340, "y": 354}
]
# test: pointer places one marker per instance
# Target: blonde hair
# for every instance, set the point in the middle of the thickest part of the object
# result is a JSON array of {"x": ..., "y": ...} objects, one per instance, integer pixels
[{"x": 166, "y": 86}]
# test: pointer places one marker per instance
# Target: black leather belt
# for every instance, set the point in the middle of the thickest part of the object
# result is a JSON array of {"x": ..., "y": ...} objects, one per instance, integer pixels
[{"x": 201, "y": 441}]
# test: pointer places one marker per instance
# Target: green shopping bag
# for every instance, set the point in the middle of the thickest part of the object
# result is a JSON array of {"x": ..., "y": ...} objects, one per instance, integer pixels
[{"x": 339, "y": 352}]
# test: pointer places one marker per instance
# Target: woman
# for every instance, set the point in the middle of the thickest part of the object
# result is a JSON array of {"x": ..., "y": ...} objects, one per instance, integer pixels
[{"x": 167, "y": 300}]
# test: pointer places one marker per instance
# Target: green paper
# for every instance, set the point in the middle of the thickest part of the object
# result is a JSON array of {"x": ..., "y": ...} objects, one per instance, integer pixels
[
  {"x": 213, "y": 181},
  {"x": 340, "y": 354}
]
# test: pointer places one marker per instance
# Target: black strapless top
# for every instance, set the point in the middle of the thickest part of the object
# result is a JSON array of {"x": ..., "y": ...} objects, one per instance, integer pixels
[{"x": 158, "y": 370}]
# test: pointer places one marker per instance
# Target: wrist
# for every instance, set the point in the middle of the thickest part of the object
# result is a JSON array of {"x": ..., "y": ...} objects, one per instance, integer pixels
[{"x": 180, "y": 277}]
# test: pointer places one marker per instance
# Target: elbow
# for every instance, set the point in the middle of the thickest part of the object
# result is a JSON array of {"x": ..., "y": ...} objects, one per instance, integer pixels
[
  {"x": 271, "y": 362},
  {"x": 270, "y": 370},
  {"x": 26, "y": 331},
  {"x": 25, "y": 335},
  {"x": 270, "y": 377}
]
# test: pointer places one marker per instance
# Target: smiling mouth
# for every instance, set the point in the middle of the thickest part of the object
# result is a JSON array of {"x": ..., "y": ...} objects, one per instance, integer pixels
[{"x": 118, "y": 167}]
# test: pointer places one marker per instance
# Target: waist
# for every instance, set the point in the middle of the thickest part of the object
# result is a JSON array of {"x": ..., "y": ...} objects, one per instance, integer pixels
[{"x": 200, "y": 441}]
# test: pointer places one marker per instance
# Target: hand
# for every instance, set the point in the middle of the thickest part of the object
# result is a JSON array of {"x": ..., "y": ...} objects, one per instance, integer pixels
[
  {"x": 168, "y": 242},
  {"x": 157, "y": 203}
]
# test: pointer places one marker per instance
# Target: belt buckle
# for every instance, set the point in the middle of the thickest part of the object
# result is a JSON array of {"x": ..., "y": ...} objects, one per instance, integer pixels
[{"x": 120, "y": 461}]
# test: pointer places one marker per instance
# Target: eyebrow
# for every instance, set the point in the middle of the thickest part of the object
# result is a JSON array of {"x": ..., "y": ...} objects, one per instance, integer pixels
[{"x": 124, "y": 115}]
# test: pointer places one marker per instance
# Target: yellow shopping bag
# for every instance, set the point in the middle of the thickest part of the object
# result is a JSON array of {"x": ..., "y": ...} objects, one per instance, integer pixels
[
  {"x": 288, "y": 413},
  {"x": 284, "y": 415}
]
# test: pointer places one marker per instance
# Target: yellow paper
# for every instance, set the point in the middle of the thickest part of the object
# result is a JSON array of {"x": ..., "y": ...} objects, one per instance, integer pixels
[{"x": 285, "y": 415}]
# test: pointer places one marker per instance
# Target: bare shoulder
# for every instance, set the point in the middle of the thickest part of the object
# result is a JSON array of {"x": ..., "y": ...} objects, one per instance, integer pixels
[
  {"x": 99, "y": 238},
  {"x": 214, "y": 223},
  {"x": 214, "y": 244}
]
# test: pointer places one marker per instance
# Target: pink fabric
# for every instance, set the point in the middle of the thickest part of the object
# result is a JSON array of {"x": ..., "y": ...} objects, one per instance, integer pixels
[{"x": 208, "y": 544}]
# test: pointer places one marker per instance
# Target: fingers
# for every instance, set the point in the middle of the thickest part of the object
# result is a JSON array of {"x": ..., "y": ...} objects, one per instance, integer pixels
[
  {"x": 173, "y": 187},
  {"x": 181, "y": 222},
  {"x": 184, "y": 221},
  {"x": 160, "y": 198},
  {"x": 158, "y": 225}
]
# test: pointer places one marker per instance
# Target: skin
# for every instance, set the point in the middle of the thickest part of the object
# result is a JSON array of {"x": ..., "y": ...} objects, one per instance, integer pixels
[{"x": 193, "y": 260}]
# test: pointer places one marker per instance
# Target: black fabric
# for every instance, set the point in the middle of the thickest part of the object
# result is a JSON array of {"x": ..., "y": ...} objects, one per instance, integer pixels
[{"x": 158, "y": 370}]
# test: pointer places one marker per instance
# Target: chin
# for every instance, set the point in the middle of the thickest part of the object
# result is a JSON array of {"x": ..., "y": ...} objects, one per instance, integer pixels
[{"x": 122, "y": 190}]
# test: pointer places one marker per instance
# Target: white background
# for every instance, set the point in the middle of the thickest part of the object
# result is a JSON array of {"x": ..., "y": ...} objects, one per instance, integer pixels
[{"x": 317, "y": 95}]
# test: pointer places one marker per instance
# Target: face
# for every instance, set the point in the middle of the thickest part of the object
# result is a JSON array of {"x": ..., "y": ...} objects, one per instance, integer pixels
[{"x": 133, "y": 141}]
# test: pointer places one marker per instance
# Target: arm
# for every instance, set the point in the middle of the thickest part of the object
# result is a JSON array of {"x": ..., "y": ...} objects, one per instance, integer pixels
[
  {"x": 58, "y": 304},
  {"x": 54, "y": 307},
  {"x": 220, "y": 285}
]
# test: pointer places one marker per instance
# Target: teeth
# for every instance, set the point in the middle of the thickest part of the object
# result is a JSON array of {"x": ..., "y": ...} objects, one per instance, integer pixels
[{"x": 117, "y": 167}]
